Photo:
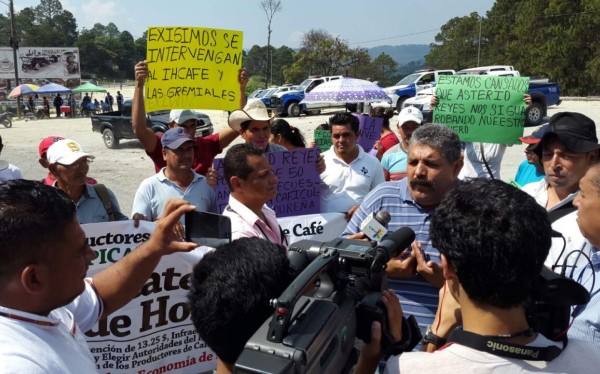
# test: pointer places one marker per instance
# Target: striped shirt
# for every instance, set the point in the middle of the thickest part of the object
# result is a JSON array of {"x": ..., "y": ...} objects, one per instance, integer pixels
[
  {"x": 416, "y": 295},
  {"x": 586, "y": 325}
]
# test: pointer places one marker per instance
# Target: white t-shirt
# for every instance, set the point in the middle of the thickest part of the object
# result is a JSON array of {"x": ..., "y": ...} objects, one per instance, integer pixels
[
  {"x": 473, "y": 162},
  {"x": 9, "y": 172},
  {"x": 345, "y": 185},
  {"x": 31, "y": 344},
  {"x": 578, "y": 357},
  {"x": 566, "y": 225}
]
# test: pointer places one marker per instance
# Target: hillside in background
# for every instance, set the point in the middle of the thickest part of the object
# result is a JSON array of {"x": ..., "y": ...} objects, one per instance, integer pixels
[{"x": 402, "y": 54}]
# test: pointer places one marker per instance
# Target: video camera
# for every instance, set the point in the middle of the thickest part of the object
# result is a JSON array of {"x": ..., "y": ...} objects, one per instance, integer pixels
[{"x": 334, "y": 299}]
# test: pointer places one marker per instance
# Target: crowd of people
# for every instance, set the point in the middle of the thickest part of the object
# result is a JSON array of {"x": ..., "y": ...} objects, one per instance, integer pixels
[{"x": 480, "y": 243}]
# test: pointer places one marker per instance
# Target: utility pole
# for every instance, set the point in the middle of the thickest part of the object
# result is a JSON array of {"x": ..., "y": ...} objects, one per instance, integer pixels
[{"x": 14, "y": 43}]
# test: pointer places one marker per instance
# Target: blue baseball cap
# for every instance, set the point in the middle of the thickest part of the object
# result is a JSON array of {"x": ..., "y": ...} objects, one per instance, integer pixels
[{"x": 175, "y": 137}]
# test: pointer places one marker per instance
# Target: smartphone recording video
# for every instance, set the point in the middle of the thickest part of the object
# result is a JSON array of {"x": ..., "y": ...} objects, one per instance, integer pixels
[{"x": 207, "y": 229}]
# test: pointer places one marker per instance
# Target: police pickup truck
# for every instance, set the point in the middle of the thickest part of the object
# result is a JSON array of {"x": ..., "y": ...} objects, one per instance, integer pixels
[
  {"x": 117, "y": 125},
  {"x": 288, "y": 103},
  {"x": 412, "y": 84}
]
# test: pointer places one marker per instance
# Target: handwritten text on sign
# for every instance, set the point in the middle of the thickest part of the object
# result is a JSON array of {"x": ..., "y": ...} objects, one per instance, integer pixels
[
  {"x": 370, "y": 131},
  {"x": 192, "y": 67},
  {"x": 482, "y": 108},
  {"x": 153, "y": 332},
  {"x": 323, "y": 139},
  {"x": 298, "y": 189}
]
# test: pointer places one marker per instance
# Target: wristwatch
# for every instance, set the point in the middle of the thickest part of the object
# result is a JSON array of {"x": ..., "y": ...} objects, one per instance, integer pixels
[{"x": 432, "y": 338}]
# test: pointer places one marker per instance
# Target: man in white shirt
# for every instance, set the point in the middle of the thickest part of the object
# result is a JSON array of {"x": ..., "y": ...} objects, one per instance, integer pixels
[
  {"x": 350, "y": 173},
  {"x": 568, "y": 147},
  {"x": 252, "y": 183},
  {"x": 177, "y": 180},
  {"x": 8, "y": 171},
  {"x": 46, "y": 301}
]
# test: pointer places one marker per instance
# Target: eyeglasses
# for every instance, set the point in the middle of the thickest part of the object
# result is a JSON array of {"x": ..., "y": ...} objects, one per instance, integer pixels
[{"x": 79, "y": 164}]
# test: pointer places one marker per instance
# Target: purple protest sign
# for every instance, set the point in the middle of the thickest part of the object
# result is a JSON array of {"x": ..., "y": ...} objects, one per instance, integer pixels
[
  {"x": 298, "y": 189},
  {"x": 370, "y": 130}
]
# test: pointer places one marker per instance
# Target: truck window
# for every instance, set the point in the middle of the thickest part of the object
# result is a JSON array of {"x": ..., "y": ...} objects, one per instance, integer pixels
[
  {"x": 126, "y": 111},
  {"x": 426, "y": 79},
  {"x": 313, "y": 85}
]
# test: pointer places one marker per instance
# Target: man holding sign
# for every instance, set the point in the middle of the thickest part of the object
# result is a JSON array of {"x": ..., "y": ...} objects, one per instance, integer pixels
[
  {"x": 45, "y": 300},
  {"x": 206, "y": 147}
]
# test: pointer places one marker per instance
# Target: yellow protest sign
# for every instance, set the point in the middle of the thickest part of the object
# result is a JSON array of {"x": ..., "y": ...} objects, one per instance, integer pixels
[{"x": 193, "y": 68}]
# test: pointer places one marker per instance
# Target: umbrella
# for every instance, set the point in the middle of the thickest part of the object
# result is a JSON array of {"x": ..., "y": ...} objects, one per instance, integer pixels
[
  {"x": 88, "y": 87},
  {"x": 346, "y": 90},
  {"x": 23, "y": 89},
  {"x": 51, "y": 88}
]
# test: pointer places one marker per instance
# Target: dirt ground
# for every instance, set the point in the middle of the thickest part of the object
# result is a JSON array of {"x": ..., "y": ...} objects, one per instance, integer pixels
[{"x": 123, "y": 169}]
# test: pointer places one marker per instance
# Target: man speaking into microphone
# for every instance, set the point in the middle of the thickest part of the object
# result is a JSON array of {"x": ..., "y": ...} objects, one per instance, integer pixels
[{"x": 434, "y": 161}]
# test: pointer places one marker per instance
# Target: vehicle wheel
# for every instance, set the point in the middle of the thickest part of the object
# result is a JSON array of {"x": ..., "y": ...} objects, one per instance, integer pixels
[
  {"x": 294, "y": 110},
  {"x": 399, "y": 103},
  {"x": 535, "y": 114},
  {"x": 110, "y": 141},
  {"x": 7, "y": 123}
]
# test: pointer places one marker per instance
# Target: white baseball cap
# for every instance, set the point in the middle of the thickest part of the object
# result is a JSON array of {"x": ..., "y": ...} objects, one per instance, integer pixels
[
  {"x": 179, "y": 116},
  {"x": 66, "y": 152},
  {"x": 410, "y": 114}
]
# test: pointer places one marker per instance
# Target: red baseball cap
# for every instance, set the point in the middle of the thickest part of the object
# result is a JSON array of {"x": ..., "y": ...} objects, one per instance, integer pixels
[
  {"x": 535, "y": 136},
  {"x": 47, "y": 142}
]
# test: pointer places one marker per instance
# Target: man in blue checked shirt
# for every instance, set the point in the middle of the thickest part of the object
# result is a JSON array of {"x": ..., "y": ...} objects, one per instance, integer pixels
[
  {"x": 434, "y": 161},
  {"x": 586, "y": 325}
]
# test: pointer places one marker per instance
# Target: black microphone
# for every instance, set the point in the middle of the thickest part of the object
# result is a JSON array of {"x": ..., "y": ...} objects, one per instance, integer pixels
[{"x": 391, "y": 247}]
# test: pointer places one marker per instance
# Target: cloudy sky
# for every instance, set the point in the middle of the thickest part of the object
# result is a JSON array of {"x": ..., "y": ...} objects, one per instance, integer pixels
[{"x": 364, "y": 23}]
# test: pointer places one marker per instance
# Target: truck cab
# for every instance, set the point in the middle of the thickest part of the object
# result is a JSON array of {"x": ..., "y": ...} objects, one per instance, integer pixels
[
  {"x": 410, "y": 85},
  {"x": 288, "y": 103}
]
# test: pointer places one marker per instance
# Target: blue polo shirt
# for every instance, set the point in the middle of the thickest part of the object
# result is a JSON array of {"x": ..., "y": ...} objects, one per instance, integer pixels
[{"x": 417, "y": 296}]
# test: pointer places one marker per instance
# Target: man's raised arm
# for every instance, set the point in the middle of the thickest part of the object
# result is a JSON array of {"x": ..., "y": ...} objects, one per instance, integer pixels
[
  {"x": 121, "y": 282},
  {"x": 138, "y": 111}
]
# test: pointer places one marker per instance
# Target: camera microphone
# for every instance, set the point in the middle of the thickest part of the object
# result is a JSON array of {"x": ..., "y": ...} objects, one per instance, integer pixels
[
  {"x": 391, "y": 247},
  {"x": 374, "y": 226}
]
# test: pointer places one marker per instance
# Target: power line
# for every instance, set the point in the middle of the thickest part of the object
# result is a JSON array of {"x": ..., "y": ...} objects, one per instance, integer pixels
[{"x": 395, "y": 37}]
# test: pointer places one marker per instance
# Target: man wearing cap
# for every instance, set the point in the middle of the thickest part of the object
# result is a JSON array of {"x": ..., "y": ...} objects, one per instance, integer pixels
[
  {"x": 69, "y": 165},
  {"x": 350, "y": 173},
  {"x": 43, "y": 160},
  {"x": 567, "y": 149},
  {"x": 394, "y": 160},
  {"x": 531, "y": 169},
  {"x": 253, "y": 123},
  {"x": 177, "y": 180},
  {"x": 206, "y": 147},
  {"x": 8, "y": 171}
]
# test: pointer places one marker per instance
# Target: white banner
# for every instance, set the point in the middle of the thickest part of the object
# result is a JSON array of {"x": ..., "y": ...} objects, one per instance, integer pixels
[
  {"x": 321, "y": 227},
  {"x": 41, "y": 63},
  {"x": 153, "y": 333}
]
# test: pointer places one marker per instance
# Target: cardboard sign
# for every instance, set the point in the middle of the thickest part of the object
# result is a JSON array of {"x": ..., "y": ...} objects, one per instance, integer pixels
[
  {"x": 323, "y": 139},
  {"x": 193, "y": 67},
  {"x": 370, "y": 131},
  {"x": 482, "y": 108},
  {"x": 298, "y": 189},
  {"x": 153, "y": 332}
]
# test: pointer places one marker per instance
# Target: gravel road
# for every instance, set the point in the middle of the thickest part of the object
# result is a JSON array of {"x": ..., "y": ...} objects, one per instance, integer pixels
[{"x": 123, "y": 169}]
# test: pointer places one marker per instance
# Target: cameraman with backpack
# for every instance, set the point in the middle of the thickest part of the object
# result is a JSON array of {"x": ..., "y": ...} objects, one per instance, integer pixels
[{"x": 491, "y": 264}]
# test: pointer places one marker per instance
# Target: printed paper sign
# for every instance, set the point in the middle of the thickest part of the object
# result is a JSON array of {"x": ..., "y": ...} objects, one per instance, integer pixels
[
  {"x": 153, "y": 333},
  {"x": 193, "y": 68},
  {"x": 321, "y": 227},
  {"x": 298, "y": 189},
  {"x": 482, "y": 108}
]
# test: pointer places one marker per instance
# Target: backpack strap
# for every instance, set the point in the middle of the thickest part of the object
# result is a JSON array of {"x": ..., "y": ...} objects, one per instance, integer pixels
[
  {"x": 562, "y": 211},
  {"x": 102, "y": 192}
]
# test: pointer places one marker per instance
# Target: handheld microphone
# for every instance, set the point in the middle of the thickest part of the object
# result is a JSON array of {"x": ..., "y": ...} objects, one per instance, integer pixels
[
  {"x": 391, "y": 247},
  {"x": 375, "y": 225}
]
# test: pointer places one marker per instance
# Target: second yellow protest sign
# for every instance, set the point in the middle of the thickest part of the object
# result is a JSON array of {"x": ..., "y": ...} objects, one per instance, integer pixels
[{"x": 193, "y": 68}]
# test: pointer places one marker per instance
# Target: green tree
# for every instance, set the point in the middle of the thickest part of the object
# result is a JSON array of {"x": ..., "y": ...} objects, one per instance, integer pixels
[
  {"x": 384, "y": 68},
  {"x": 456, "y": 44}
]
